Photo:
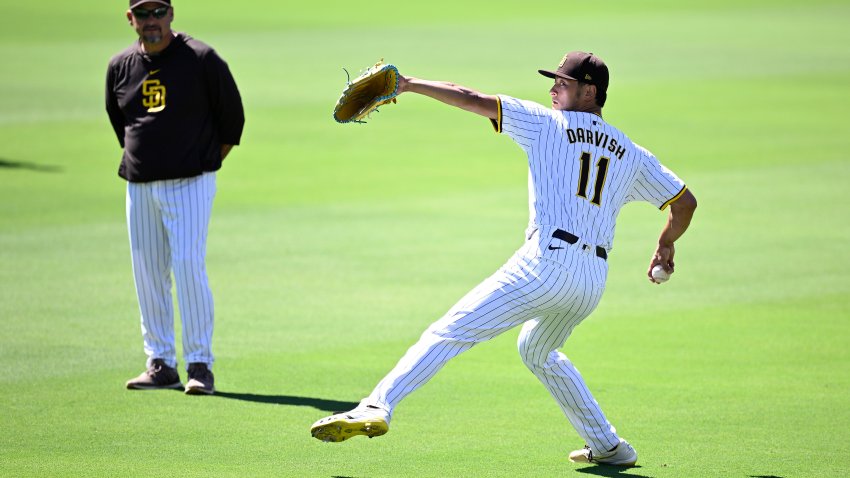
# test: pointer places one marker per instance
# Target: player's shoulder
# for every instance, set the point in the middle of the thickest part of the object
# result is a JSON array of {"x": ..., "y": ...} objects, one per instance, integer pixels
[
  {"x": 124, "y": 55},
  {"x": 643, "y": 152},
  {"x": 192, "y": 42},
  {"x": 624, "y": 140},
  {"x": 516, "y": 104},
  {"x": 197, "y": 47}
]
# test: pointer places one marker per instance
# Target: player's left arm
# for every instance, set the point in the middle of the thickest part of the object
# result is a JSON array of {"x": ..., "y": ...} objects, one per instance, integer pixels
[
  {"x": 225, "y": 101},
  {"x": 681, "y": 213},
  {"x": 451, "y": 94}
]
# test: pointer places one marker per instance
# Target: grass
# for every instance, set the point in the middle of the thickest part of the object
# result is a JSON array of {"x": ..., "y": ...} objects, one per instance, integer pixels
[{"x": 332, "y": 247}]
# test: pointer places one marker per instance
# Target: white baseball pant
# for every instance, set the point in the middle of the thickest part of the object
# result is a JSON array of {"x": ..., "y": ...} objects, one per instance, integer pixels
[
  {"x": 168, "y": 222},
  {"x": 549, "y": 291}
]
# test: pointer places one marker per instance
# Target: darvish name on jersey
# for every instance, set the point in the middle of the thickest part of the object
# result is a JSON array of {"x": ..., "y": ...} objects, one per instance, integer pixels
[{"x": 599, "y": 139}]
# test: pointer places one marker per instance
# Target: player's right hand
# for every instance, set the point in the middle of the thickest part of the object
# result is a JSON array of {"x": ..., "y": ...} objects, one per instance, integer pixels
[{"x": 663, "y": 256}]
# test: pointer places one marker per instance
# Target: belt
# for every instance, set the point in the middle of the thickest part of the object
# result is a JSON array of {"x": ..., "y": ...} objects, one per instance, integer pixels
[{"x": 572, "y": 239}]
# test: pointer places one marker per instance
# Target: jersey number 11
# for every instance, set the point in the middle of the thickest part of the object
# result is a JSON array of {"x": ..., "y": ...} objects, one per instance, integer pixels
[{"x": 584, "y": 174}]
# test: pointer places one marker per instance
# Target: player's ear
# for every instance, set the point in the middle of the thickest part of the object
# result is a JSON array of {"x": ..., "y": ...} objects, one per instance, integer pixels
[
  {"x": 590, "y": 91},
  {"x": 130, "y": 16}
]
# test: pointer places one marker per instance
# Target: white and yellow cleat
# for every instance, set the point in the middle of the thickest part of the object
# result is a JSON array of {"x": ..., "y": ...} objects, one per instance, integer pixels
[
  {"x": 370, "y": 421},
  {"x": 621, "y": 455}
]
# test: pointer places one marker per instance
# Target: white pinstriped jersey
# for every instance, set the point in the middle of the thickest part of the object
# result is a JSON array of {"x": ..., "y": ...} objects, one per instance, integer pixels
[{"x": 582, "y": 170}]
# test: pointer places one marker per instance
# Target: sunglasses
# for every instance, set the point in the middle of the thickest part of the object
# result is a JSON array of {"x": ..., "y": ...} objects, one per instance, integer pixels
[{"x": 142, "y": 14}]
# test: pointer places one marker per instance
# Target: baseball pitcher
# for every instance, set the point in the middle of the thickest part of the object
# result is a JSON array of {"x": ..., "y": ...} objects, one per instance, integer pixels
[{"x": 582, "y": 170}]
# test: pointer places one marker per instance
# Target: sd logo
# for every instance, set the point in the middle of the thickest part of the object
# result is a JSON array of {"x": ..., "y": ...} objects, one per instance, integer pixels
[{"x": 154, "y": 96}]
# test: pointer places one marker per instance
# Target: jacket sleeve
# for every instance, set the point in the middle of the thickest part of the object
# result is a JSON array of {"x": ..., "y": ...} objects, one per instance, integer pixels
[
  {"x": 225, "y": 101},
  {"x": 116, "y": 117}
]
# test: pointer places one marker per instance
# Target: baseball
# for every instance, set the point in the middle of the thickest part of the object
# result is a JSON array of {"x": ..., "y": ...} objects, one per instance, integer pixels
[{"x": 659, "y": 274}]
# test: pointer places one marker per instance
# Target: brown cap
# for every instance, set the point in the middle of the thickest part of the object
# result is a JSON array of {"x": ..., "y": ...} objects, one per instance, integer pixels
[
  {"x": 581, "y": 66},
  {"x": 136, "y": 3}
]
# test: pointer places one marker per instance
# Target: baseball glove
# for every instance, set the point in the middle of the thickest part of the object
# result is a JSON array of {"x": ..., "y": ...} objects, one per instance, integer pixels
[{"x": 374, "y": 87}]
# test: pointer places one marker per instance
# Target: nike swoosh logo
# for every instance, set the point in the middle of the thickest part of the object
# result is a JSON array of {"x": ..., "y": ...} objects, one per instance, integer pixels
[
  {"x": 554, "y": 248},
  {"x": 153, "y": 72}
]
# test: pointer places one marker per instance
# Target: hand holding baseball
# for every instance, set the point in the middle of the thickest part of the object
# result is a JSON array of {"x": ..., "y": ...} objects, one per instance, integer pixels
[
  {"x": 659, "y": 275},
  {"x": 661, "y": 265}
]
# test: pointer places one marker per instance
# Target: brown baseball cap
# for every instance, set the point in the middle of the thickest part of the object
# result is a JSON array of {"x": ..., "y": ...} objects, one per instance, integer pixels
[
  {"x": 136, "y": 3},
  {"x": 583, "y": 67}
]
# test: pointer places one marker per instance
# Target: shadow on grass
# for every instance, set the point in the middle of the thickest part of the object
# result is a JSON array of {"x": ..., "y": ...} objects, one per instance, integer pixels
[
  {"x": 44, "y": 168},
  {"x": 318, "y": 403},
  {"x": 609, "y": 470},
  {"x": 764, "y": 476}
]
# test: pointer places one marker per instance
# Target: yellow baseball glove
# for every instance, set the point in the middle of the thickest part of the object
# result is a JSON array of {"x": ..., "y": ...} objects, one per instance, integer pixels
[{"x": 374, "y": 87}]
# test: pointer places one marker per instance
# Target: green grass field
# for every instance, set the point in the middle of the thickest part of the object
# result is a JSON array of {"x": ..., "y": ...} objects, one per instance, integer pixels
[{"x": 332, "y": 247}]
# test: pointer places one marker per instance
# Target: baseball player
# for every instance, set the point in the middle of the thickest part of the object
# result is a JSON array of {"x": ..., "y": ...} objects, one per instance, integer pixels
[
  {"x": 582, "y": 170},
  {"x": 177, "y": 113}
]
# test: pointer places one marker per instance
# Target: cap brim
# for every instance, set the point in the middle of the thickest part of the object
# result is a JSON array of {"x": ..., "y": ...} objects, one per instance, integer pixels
[
  {"x": 554, "y": 74},
  {"x": 140, "y": 2}
]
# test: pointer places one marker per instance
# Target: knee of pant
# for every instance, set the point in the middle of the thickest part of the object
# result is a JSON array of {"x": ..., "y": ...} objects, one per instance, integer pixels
[
  {"x": 443, "y": 333},
  {"x": 437, "y": 333},
  {"x": 187, "y": 263},
  {"x": 533, "y": 359}
]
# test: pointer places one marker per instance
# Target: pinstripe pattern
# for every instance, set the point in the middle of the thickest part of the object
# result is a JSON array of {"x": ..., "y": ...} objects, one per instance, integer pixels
[
  {"x": 554, "y": 169},
  {"x": 549, "y": 286},
  {"x": 168, "y": 222},
  {"x": 550, "y": 295}
]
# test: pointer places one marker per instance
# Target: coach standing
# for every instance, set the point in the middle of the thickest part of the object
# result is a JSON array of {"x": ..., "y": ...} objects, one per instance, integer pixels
[{"x": 177, "y": 113}]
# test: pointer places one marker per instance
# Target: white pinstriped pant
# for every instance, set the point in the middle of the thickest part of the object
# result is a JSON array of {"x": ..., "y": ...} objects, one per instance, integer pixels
[
  {"x": 168, "y": 222},
  {"x": 549, "y": 292}
]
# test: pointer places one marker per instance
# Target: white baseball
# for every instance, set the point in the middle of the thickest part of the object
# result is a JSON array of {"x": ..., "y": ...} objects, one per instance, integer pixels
[{"x": 659, "y": 274}]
